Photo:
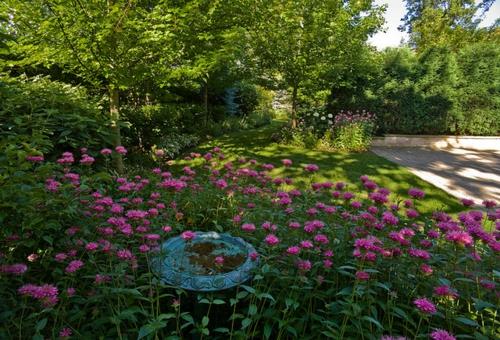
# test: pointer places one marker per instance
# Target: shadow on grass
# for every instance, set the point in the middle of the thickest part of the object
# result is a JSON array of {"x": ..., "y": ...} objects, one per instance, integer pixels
[{"x": 334, "y": 166}]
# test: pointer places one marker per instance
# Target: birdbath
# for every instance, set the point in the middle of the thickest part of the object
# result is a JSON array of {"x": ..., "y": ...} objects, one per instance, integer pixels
[{"x": 208, "y": 262}]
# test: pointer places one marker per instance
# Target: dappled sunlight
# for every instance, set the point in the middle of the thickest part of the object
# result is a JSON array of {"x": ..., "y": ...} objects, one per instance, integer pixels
[{"x": 463, "y": 173}]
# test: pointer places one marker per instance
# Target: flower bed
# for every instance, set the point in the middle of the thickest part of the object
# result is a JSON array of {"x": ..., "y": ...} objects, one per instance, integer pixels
[{"x": 76, "y": 256}]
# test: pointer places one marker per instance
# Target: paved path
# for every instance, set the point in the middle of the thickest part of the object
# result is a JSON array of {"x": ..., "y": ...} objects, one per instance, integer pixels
[{"x": 463, "y": 173}]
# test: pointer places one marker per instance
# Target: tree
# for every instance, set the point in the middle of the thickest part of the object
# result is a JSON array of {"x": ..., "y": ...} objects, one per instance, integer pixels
[
  {"x": 108, "y": 43},
  {"x": 207, "y": 35},
  {"x": 443, "y": 22},
  {"x": 292, "y": 41}
]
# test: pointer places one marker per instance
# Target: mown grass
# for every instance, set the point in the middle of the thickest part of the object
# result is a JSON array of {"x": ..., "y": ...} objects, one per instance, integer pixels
[{"x": 334, "y": 166}]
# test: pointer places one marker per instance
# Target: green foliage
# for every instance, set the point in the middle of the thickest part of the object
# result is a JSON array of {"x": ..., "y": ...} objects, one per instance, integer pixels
[
  {"x": 246, "y": 97},
  {"x": 318, "y": 129},
  {"x": 172, "y": 144},
  {"x": 332, "y": 293},
  {"x": 438, "y": 91},
  {"x": 351, "y": 132},
  {"x": 294, "y": 42},
  {"x": 148, "y": 125},
  {"x": 49, "y": 116},
  {"x": 449, "y": 23}
]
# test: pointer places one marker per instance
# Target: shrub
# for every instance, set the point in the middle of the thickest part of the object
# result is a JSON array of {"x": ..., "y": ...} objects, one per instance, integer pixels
[
  {"x": 333, "y": 262},
  {"x": 246, "y": 97},
  {"x": 438, "y": 91},
  {"x": 352, "y": 131},
  {"x": 346, "y": 131},
  {"x": 149, "y": 124},
  {"x": 49, "y": 116},
  {"x": 173, "y": 144}
]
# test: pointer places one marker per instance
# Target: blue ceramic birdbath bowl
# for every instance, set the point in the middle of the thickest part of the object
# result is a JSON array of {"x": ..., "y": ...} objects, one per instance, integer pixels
[{"x": 191, "y": 264}]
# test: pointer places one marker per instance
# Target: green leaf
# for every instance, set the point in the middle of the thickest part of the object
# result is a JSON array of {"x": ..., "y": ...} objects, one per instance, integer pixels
[
  {"x": 248, "y": 289},
  {"x": 372, "y": 320},
  {"x": 41, "y": 324},
  {"x": 245, "y": 323},
  {"x": 188, "y": 318},
  {"x": 265, "y": 296},
  {"x": 221, "y": 330},
  {"x": 204, "y": 321},
  {"x": 267, "y": 330},
  {"x": 166, "y": 316},
  {"x": 481, "y": 305},
  {"x": 219, "y": 302},
  {"x": 150, "y": 328},
  {"x": 467, "y": 321},
  {"x": 252, "y": 309},
  {"x": 241, "y": 295}
]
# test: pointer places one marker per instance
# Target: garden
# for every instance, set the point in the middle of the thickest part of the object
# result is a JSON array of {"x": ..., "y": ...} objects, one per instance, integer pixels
[{"x": 192, "y": 169}]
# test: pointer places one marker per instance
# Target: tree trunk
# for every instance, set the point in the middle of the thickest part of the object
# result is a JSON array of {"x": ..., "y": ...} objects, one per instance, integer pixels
[
  {"x": 114, "y": 115},
  {"x": 294, "y": 107},
  {"x": 205, "y": 101}
]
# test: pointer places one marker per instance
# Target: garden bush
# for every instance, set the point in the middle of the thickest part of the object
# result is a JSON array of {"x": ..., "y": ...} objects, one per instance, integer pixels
[
  {"x": 352, "y": 131},
  {"x": 346, "y": 131},
  {"x": 148, "y": 125},
  {"x": 334, "y": 263},
  {"x": 437, "y": 91},
  {"x": 48, "y": 115}
]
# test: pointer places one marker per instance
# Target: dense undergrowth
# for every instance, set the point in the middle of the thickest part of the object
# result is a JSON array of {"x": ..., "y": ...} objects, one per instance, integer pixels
[{"x": 335, "y": 261}]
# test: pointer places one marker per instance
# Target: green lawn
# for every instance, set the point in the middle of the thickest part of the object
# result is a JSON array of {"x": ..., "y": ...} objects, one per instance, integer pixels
[{"x": 334, "y": 166}]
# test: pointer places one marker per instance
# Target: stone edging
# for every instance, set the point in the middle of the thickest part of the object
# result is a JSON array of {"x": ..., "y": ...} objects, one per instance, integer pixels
[{"x": 439, "y": 142}]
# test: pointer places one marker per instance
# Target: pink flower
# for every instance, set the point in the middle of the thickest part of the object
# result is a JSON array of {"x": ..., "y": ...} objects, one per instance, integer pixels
[
  {"x": 327, "y": 263},
  {"x": 489, "y": 203},
  {"x": 65, "y": 332},
  {"x": 467, "y": 202},
  {"x": 362, "y": 275},
  {"x": 188, "y": 235},
  {"x": 249, "y": 227},
  {"x": 411, "y": 213},
  {"x": 304, "y": 265},
  {"x": 272, "y": 240},
  {"x": 425, "y": 305},
  {"x": 253, "y": 256},
  {"x": 440, "y": 334},
  {"x": 166, "y": 228},
  {"x": 87, "y": 160},
  {"x": 14, "y": 269},
  {"x": 144, "y": 248},
  {"x": 320, "y": 238},
  {"x": 389, "y": 218},
  {"x": 460, "y": 237},
  {"x": 219, "y": 260},
  {"x": 445, "y": 291},
  {"x": 306, "y": 244},
  {"x": 426, "y": 269},
  {"x": 91, "y": 246},
  {"x": 121, "y": 150},
  {"x": 294, "y": 250},
  {"x": 101, "y": 279},
  {"x": 311, "y": 167},
  {"x": 124, "y": 254},
  {"x": 416, "y": 193},
  {"x": 286, "y": 162},
  {"x": 60, "y": 257},
  {"x": 47, "y": 294},
  {"x": 34, "y": 159},
  {"x": 106, "y": 152},
  {"x": 70, "y": 291},
  {"x": 73, "y": 266}
]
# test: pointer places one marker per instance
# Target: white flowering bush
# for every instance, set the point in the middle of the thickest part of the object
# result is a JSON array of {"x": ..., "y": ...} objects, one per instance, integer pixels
[{"x": 344, "y": 131}]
